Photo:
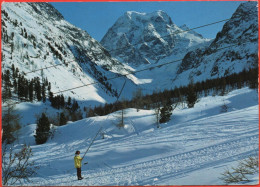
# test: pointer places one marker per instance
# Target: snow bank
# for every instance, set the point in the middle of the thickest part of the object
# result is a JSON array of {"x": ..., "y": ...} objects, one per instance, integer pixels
[{"x": 194, "y": 148}]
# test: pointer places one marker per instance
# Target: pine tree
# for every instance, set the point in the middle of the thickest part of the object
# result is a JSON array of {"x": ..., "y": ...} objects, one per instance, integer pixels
[
  {"x": 76, "y": 115},
  {"x": 30, "y": 90},
  {"x": 51, "y": 96},
  {"x": 75, "y": 106},
  {"x": 43, "y": 92},
  {"x": 26, "y": 89},
  {"x": 38, "y": 90},
  {"x": 191, "y": 95},
  {"x": 7, "y": 83},
  {"x": 63, "y": 119},
  {"x": 165, "y": 113},
  {"x": 223, "y": 86},
  {"x": 16, "y": 72},
  {"x": 13, "y": 71},
  {"x": 62, "y": 101},
  {"x": 90, "y": 113},
  {"x": 6, "y": 90},
  {"x": 49, "y": 86},
  {"x": 69, "y": 102},
  {"x": 20, "y": 87},
  {"x": 253, "y": 78},
  {"x": 42, "y": 130}
]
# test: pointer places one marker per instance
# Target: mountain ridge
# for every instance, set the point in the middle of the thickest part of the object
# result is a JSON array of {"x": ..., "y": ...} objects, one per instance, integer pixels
[
  {"x": 146, "y": 38},
  {"x": 42, "y": 38},
  {"x": 233, "y": 50},
  {"x": 241, "y": 33},
  {"x": 59, "y": 42}
]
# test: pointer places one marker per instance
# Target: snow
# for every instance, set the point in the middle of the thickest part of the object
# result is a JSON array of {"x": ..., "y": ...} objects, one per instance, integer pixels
[
  {"x": 141, "y": 30},
  {"x": 233, "y": 49},
  {"x": 47, "y": 29},
  {"x": 193, "y": 148},
  {"x": 154, "y": 79}
]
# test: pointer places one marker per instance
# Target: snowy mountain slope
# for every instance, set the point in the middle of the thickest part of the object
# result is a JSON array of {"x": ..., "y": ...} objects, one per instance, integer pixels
[
  {"x": 36, "y": 36},
  {"x": 186, "y": 28},
  {"x": 238, "y": 38},
  {"x": 241, "y": 31},
  {"x": 147, "y": 38},
  {"x": 195, "y": 147}
]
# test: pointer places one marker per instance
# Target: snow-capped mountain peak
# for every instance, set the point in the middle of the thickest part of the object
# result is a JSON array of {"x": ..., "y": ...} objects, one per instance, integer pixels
[
  {"x": 158, "y": 16},
  {"x": 41, "y": 38},
  {"x": 145, "y": 42},
  {"x": 241, "y": 33},
  {"x": 186, "y": 28},
  {"x": 47, "y": 10},
  {"x": 149, "y": 37}
]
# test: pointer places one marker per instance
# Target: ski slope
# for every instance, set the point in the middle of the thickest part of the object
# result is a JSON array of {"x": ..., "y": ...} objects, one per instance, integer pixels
[{"x": 194, "y": 148}]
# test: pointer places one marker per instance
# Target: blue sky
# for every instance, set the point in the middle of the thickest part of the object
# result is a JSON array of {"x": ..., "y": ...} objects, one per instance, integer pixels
[{"x": 97, "y": 17}]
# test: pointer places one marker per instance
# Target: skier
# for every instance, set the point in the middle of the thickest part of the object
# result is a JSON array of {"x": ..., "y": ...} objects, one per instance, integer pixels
[{"x": 77, "y": 163}]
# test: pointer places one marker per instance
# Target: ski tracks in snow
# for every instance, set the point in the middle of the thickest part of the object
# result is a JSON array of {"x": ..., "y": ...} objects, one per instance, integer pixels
[
  {"x": 147, "y": 173},
  {"x": 179, "y": 153},
  {"x": 154, "y": 172}
]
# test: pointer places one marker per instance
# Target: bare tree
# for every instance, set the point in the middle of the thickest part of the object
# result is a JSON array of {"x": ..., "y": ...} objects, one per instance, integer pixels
[
  {"x": 17, "y": 166},
  {"x": 224, "y": 107},
  {"x": 137, "y": 98},
  {"x": 157, "y": 115},
  {"x": 10, "y": 122},
  {"x": 249, "y": 166}
]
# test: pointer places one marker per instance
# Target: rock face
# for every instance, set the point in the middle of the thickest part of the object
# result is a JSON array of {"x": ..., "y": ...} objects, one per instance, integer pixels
[
  {"x": 153, "y": 38},
  {"x": 146, "y": 38},
  {"x": 35, "y": 36},
  {"x": 235, "y": 47}
]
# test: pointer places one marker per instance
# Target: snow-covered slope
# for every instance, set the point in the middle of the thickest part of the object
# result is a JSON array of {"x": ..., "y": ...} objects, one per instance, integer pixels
[
  {"x": 240, "y": 32},
  {"x": 147, "y": 38},
  {"x": 195, "y": 147},
  {"x": 42, "y": 38},
  {"x": 36, "y": 36},
  {"x": 235, "y": 48}
]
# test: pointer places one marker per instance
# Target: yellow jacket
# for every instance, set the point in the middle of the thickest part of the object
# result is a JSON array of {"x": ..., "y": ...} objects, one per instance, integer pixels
[{"x": 77, "y": 161}]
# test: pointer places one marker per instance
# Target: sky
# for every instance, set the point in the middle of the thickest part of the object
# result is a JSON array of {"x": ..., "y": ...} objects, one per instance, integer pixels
[{"x": 97, "y": 17}]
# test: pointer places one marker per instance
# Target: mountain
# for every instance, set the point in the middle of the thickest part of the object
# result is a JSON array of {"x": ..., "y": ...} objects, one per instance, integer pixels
[
  {"x": 36, "y": 36},
  {"x": 146, "y": 38},
  {"x": 42, "y": 38},
  {"x": 186, "y": 28},
  {"x": 218, "y": 59},
  {"x": 195, "y": 147},
  {"x": 191, "y": 57}
]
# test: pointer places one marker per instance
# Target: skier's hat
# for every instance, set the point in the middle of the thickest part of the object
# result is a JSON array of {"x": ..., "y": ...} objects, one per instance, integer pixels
[{"x": 77, "y": 152}]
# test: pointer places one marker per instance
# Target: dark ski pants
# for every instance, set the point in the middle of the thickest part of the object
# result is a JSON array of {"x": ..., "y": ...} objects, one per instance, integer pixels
[{"x": 79, "y": 173}]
